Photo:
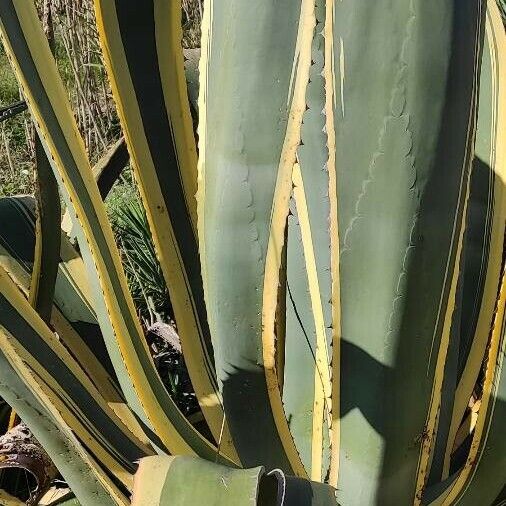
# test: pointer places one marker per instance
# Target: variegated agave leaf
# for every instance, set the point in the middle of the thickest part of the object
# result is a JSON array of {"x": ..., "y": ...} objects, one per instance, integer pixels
[
  {"x": 30, "y": 399},
  {"x": 341, "y": 262},
  {"x": 368, "y": 186},
  {"x": 161, "y": 480},
  {"x": 113, "y": 304},
  {"x": 142, "y": 49}
]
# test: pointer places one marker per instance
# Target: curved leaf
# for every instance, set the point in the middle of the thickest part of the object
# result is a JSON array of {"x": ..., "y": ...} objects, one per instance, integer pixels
[
  {"x": 47, "y": 244},
  {"x": 490, "y": 172},
  {"x": 78, "y": 400},
  {"x": 484, "y": 473},
  {"x": 307, "y": 387},
  {"x": 144, "y": 58},
  {"x": 161, "y": 480},
  {"x": 46, "y": 96},
  {"x": 482, "y": 476},
  {"x": 249, "y": 130},
  {"x": 81, "y": 471}
]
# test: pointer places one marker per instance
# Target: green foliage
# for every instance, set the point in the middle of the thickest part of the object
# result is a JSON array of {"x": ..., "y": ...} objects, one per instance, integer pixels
[
  {"x": 141, "y": 265},
  {"x": 16, "y": 166},
  {"x": 123, "y": 195},
  {"x": 9, "y": 89}
]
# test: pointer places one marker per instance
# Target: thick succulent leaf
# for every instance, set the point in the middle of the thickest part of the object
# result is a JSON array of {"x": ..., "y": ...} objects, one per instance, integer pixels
[
  {"x": 17, "y": 235},
  {"x": 281, "y": 317},
  {"x": 299, "y": 492},
  {"x": 250, "y": 113},
  {"x": 448, "y": 386},
  {"x": 46, "y": 96},
  {"x": 79, "y": 402},
  {"x": 108, "y": 169},
  {"x": 144, "y": 58},
  {"x": 486, "y": 224},
  {"x": 484, "y": 474},
  {"x": 82, "y": 347},
  {"x": 164, "y": 480},
  {"x": 47, "y": 244},
  {"x": 22, "y": 390},
  {"x": 72, "y": 317},
  {"x": 67, "y": 500},
  {"x": 403, "y": 107},
  {"x": 71, "y": 293},
  {"x": 183, "y": 481},
  {"x": 106, "y": 172},
  {"x": 299, "y": 361},
  {"x": 59, "y": 497},
  {"x": 306, "y": 390}
]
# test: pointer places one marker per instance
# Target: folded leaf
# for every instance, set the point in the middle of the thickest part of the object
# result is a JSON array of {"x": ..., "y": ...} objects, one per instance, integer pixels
[{"x": 164, "y": 480}]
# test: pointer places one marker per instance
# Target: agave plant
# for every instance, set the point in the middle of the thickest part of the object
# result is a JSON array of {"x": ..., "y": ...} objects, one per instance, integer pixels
[{"x": 337, "y": 284}]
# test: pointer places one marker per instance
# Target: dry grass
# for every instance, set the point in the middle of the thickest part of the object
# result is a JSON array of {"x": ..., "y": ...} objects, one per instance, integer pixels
[{"x": 192, "y": 17}]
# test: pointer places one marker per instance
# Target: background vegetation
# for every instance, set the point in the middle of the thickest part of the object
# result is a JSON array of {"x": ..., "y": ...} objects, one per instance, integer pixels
[{"x": 77, "y": 52}]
